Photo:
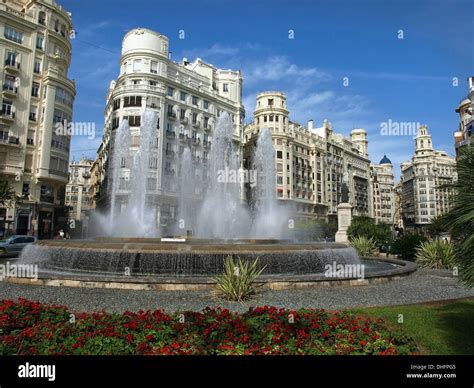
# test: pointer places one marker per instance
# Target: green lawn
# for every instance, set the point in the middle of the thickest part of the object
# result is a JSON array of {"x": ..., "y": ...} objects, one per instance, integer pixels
[{"x": 441, "y": 328}]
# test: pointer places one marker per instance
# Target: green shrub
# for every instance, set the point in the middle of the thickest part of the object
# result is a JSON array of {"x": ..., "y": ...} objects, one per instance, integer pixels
[
  {"x": 363, "y": 245},
  {"x": 405, "y": 246},
  {"x": 238, "y": 280},
  {"x": 436, "y": 254},
  {"x": 366, "y": 227},
  {"x": 315, "y": 230}
]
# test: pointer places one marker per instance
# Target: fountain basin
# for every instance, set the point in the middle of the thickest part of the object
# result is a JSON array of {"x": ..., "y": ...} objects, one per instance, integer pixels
[{"x": 137, "y": 263}]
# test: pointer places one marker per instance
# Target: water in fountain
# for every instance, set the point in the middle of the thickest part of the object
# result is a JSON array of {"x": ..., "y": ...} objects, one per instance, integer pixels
[
  {"x": 135, "y": 216},
  {"x": 187, "y": 205},
  {"x": 223, "y": 215},
  {"x": 271, "y": 220}
]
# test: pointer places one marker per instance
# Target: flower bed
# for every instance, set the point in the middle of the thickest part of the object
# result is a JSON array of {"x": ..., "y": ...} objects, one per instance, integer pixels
[{"x": 34, "y": 328}]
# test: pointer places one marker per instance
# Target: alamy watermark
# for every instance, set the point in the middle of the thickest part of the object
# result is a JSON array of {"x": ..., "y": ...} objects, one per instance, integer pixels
[
  {"x": 65, "y": 128},
  {"x": 229, "y": 175},
  {"x": 344, "y": 271},
  {"x": 9, "y": 270},
  {"x": 399, "y": 128}
]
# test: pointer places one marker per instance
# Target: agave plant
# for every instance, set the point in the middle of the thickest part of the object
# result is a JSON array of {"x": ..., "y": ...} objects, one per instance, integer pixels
[
  {"x": 365, "y": 246},
  {"x": 436, "y": 254},
  {"x": 459, "y": 221},
  {"x": 238, "y": 280}
]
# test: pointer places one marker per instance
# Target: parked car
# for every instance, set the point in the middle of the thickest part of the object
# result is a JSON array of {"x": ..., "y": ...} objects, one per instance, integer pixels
[{"x": 15, "y": 244}]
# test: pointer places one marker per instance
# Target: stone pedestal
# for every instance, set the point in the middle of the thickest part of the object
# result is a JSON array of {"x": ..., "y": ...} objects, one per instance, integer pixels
[{"x": 344, "y": 218}]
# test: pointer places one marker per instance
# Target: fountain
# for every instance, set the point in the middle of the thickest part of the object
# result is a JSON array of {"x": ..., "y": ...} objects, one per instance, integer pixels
[{"x": 222, "y": 225}]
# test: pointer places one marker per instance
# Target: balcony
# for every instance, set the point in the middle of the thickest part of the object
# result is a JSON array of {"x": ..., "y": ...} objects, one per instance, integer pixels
[
  {"x": 183, "y": 137},
  {"x": 196, "y": 141},
  {"x": 196, "y": 124},
  {"x": 207, "y": 128},
  {"x": 9, "y": 91},
  {"x": 12, "y": 66},
  {"x": 170, "y": 154},
  {"x": 171, "y": 116},
  {"x": 170, "y": 135},
  {"x": 169, "y": 172},
  {"x": 184, "y": 120},
  {"x": 207, "y": 144},
  {"x": 7, "y": 115}
]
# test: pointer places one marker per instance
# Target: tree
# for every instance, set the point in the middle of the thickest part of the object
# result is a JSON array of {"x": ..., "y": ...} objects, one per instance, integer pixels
[
  {"x": 459, "y": 221},
  {"x": 7, "y": 193},
  {"x": 366, "y": 227}
]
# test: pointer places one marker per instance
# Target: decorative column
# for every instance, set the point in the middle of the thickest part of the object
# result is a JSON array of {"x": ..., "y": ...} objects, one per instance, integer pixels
[{"x": 344, "y": 218}]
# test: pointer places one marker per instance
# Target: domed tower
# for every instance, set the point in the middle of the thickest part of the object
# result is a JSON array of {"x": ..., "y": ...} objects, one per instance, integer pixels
[
  {"x": 385, "y": 160},
  {"x": 138, "y": 46},
  {"x": 423, "y": 142},
  {"x": 359, "y": 138},
  {"x": 271, "y": 111}
]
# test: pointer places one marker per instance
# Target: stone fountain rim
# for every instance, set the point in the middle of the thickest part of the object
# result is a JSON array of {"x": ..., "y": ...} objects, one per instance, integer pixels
[{"x": 183, "y": 283}]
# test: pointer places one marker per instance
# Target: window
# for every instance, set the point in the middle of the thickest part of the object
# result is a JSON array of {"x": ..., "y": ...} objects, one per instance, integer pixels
[
  {"x": 33, "y": 112},
  {"x": 117, "y": 104},
  {"x": 63, "y": 30},
  {"x": 206, "y": 104},
  {"x": 270, "y": 101},
  {"x": 194, "y": 118},
  {"x": 39, "y": 41},
  {"x": 206, "y": 122},
  {"x": 170, "y": 91},
  {"x": 11, "y": 59},
  {"x": 154, "y": 67},
  {"x": 63, "y": 96},
  {"x": 30, "y": 138},
  {"x": 195, "y": 100},
  {"x": 182, "y": 96},
  {"x": 56, "y": 25},
  {"x": 42, "y": 18},
  {"x": 182, "y": 114},
  {"x": 279, "y": 154},
  {"x": 271, "y": 118},
  {"x": 37, "y": 67},
  {"x": 225, "y": 87},
  {"x": 133, "y": 121},
  {"x": 13, "y": 34},
  {"x": 7, "y": 108},
  {"x": 10, "y": 83},
  {"x": 132, "y": 101},
  {"x": 137, "y": 65},
  {"x": 35, "y": 89}
]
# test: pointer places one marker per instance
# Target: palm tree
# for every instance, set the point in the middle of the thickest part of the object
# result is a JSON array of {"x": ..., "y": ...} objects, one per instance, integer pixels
[
  {"x": 7, "y": 193},
  {"x": 459, "y": 221}
]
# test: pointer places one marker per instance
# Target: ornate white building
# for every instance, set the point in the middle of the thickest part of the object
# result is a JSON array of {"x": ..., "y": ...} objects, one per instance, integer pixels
[
  {"x": 422, "y": 200},
  {"x": 187, "y": 97},
  {"x": 78, "y": 195},
  {"x": 310, "y": 162},
  {"x": 383, "y": 191},
  {"x": 35, "y": 50}
]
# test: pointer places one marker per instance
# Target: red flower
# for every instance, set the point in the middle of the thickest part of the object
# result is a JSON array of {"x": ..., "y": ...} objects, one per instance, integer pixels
[
  {"x": 362, "y": 343},
  {"x": 129, "y": 338},
  {"x": 324, "y": 334}
]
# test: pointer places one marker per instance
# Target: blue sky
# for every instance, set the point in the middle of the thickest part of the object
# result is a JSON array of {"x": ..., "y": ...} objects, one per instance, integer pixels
[{"x": 403, "y": 80}]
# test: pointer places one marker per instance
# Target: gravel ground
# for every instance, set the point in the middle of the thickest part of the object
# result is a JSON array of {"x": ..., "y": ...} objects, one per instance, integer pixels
[{"x": 422, "y": 286}]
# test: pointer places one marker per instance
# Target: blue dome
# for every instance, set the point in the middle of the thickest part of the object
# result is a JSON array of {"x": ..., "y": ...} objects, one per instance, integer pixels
[{"x": 385, "y": 160}]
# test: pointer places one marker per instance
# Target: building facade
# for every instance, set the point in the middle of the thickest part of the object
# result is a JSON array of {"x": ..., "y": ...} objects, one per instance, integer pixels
[
  {"x": 383, "y": 191},
  {"x": 79, "y": 196},
  {"x": 463, "y": 135},
  {"x": 37, "y": 96},
  {"x": 310, "y": 162},
  {"x": 187, "y": 97},
  {"x": 422, "y": 199}
]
